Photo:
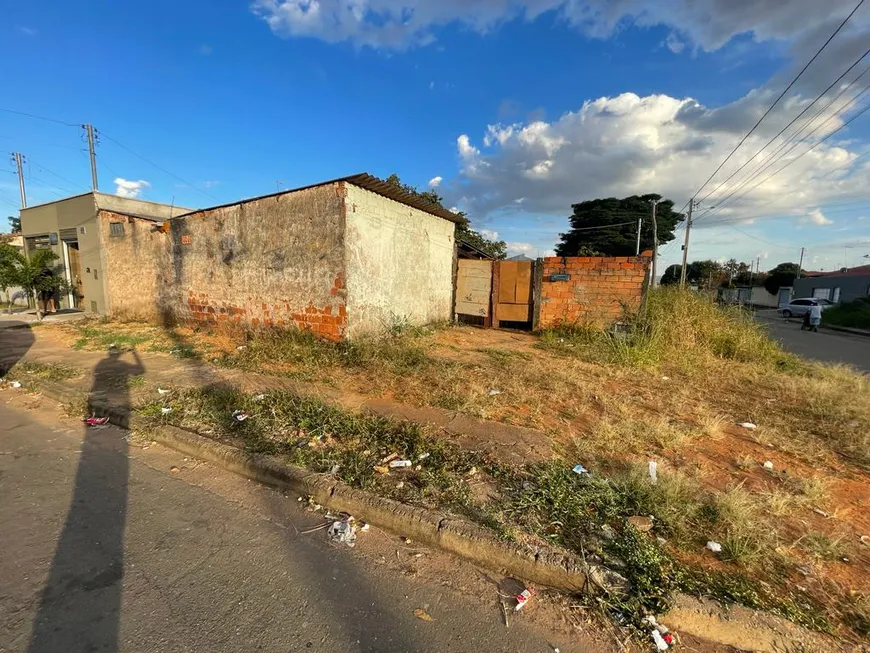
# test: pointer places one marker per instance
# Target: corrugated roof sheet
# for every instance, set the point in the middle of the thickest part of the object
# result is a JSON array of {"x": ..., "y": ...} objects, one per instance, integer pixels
[{"x": 367, "y": 182}]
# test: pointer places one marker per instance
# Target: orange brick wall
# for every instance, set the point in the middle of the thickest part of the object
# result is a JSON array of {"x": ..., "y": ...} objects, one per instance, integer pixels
[{"x": 595, "y": 294}]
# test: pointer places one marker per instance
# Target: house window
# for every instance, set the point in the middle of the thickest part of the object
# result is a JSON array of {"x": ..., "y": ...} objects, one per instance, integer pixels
[
  {"x": 116, "y": 229},
  {"x": 836, "y": 297},
  {"x": 821, "y": 293}
]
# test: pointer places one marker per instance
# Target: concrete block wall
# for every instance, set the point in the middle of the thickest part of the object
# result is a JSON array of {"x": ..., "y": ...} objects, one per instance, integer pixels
[
  {"x": 134, "y": 265},
  {"x": 598, "y": 289},
  {"x": 399, "y": 263}
]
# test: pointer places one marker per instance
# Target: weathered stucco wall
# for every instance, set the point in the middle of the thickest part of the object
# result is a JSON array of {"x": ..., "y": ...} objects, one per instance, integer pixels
[
  {"x": 276, "y": 260},
  {"x": 399, "y": 263},
  {"x": 595, "y": 294},
  {"x": 135, "y": 262},
  {"x": 77, "y": 213}
]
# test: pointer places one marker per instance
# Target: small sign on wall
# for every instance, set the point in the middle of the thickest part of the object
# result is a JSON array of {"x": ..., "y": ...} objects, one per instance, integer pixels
[
  {"x": 186, "y": 240},
  {"x": 560, "y": 277},
  {"x": 52, "y": 239}
]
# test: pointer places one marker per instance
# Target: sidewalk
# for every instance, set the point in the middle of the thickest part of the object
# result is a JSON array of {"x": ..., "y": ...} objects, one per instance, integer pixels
[
  {"x": 510, "y": 444},
  {"x": 21, "y": 316}
]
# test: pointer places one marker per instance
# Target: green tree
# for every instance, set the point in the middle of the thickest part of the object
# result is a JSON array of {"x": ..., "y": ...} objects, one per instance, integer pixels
[
  {"x": 495, "y": 248},
  {"x": 7, "y": 271},
  {"x": 14, "y": 224},
  {"x": 782, "y": 276},
  {"x": 704, "y": 274},
  {"x": 671, "y": 277},
  {"x": 609, "y": 225},
  {"x": 736, "y": 274},
  {"x": 16, "y": 269}
]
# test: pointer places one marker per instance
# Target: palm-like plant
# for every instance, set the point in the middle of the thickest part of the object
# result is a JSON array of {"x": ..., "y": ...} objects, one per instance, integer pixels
[{"x": 16, "y": 269}]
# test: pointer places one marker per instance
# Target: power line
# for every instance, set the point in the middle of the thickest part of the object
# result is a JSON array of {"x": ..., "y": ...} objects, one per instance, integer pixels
[
  {"x": 164, "y": 170},
  {"x": 54, "y": 174},
  {"x": 761, "y": 240},
  {"x": 768, "y": 162},
  {"x": 31, "y": 115},
  {"x": 793, "y": 121},
  {"x": 725, "y": 200},
  {"x": 781, "y": 95}
]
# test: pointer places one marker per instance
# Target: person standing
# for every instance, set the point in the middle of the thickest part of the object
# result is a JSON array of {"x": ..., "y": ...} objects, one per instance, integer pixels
[
  {"x": 46, "y": 294},
  {"x": 815, "y": 317}
]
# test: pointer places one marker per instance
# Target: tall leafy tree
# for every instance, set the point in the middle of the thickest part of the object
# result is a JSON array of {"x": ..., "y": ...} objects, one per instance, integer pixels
[
  {"x": 14, "y": 224},
  {"x": 782, "y": 276},
  {"x": 609, "y": 225},
  {"x": 495, "y": 248},
  {"x": 671, "y": 277}
]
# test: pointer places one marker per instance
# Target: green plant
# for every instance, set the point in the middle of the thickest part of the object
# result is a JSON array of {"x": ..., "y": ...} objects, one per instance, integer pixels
[{"x": 16, "y": 269}]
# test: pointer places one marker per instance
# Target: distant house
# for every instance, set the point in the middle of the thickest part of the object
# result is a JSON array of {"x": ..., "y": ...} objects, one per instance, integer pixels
[
  {"x": 82, "y": 231},
  {"x": 519, "y": 257},
  {"x": 844, "y": 285}
]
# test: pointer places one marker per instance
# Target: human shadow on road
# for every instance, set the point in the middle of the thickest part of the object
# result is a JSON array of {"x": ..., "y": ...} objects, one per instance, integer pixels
[
  {"x": 16, "y": 338},
  {"x": 80, "y": 608}
]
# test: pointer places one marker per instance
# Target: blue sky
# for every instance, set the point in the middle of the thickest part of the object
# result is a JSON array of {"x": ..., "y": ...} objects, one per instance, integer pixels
[{"x": 519, "y": 107}]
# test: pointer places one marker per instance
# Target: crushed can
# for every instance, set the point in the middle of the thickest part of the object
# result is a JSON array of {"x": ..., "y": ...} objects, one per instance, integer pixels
[{"x": 523, "y": 598}]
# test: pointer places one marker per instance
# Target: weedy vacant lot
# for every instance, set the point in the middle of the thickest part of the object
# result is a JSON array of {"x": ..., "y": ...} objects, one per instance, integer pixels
[{"x": 788, "y": 500}]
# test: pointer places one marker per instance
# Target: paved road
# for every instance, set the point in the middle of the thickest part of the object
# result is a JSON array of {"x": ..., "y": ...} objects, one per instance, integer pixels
[
  {"x": 106, "y": 548},
  {"x": 825, "y": 346}
]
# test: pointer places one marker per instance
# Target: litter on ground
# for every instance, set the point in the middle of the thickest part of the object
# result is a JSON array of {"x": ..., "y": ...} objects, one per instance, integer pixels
[
  {"x": 653, "y": 472},
  {"x": 163, "y": 391},
  {"x": 580, "y": 470},
  {"x": 166, "y": 410},
  {"x": 421, "y": 614},
  {"x": 768, "y": 465},
  {"x": 343, "y": 532},
  {"x": 493, "y": 393},
  {"x": 715, "y": 547},
  {"x": 748, "y": 425},
  {"x": 523, "y": 598},
  {"x": 15, "y": 384},
  {"x": 660, "y": 642},
  {"x": 396, "y": 464},
  {"x": 240, "y": 415},
  {"x": 259, "y": 397},
  {"x": 96, "y": 421}
]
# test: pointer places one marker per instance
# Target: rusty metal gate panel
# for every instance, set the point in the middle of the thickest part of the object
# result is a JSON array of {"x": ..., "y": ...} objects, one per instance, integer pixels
[
  {"x": 512, "y": 295},
  {"x": 473, "y": 288}
]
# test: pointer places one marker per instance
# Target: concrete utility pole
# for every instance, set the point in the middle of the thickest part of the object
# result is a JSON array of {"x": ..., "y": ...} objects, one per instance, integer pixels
[
  {"x": 655, "y": 241},
  {"x": 686, "y": 243},
  {"x": 801, "y": 264},
  {"x": 18, "y": 159},
  {"x": 639, "y": 222},
  {"x": 90, "y": 132}
]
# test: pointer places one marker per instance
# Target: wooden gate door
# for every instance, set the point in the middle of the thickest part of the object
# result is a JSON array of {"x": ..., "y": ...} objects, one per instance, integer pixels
[
  {"x": 512, "y": 291},
  {"x": 473, "y": 289}
]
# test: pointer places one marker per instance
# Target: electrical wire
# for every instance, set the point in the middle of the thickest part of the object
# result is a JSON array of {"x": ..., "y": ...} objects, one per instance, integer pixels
[
  {"x": 781, "y": 95},
  {"x": 793, "y": 121},
  {"x": 73, "y": 184},
  {"x": 724, "y": 202},
  {"x": 164, "y": 170},
  {"x": 31, "y": 115}
]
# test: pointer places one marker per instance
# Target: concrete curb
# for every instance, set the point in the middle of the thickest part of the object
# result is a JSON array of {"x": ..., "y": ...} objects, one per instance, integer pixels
[
  {"x": 544, "y": 566},
  {"x": 733, "y": 626},
  {"x": 854, "y": 332}
]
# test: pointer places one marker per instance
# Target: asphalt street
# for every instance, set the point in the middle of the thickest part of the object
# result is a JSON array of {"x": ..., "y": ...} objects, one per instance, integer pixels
[
  {"x": 826, "y": 346},
  {"x": 109, "y": 545}
]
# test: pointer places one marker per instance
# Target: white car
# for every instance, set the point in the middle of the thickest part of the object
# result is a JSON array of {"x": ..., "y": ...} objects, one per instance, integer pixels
[{"x": 798, "y": 307}]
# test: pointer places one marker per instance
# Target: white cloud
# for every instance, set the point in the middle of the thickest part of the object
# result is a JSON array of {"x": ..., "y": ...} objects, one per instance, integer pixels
[
  {"x": 210, "y": 183},
  {"x": 488, "y": 233},
  {"x": 674, "y": 43},
  {"x": 132, "y": 189},
  {"x": 818, "y": 218},
  {"x": 435, "y": 182},
  {"x": 400, "y": 24},
  {"x": 522, "y": 248},
  {"x": 622, "y": 145}
]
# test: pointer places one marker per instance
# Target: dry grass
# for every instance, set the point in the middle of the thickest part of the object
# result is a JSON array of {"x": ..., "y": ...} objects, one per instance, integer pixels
[{"x": 671, "y": 391}]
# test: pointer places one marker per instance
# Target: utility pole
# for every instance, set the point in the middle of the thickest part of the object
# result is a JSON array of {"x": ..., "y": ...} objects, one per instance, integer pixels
[
  {"x": 655, "y": 241},
  {"x": 686, "y": 243},
  {"x": 639, "y": 221},
  {"x": 801, "y": 264},
  {"x": 90, "y": 132},
  {"x": 751, "y": 274},
  {"x": 18, "y": 159}
]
